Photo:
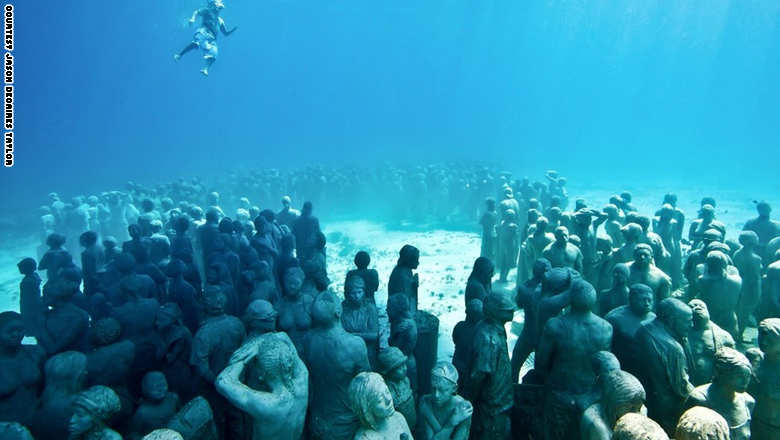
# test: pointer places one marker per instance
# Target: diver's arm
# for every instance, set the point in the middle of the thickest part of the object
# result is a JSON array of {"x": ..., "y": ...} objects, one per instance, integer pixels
[
  {"x": 223, "y": 28},
  {"x": 195, "y": 14}
]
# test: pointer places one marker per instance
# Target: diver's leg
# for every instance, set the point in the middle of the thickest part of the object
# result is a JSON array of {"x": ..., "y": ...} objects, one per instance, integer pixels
[
  {"x": 209, "y": 61},
  {"x": 186, "y": 49}
]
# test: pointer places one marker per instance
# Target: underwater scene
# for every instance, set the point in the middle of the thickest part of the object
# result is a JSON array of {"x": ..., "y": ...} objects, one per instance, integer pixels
[{"x": 337, "y": 220}]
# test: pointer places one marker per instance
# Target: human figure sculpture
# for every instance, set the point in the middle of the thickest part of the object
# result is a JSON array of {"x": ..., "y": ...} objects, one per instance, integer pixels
[
  {"x": 626, "y": 321},
  {"x": 20, "y": 371},
  {"x": 175, "y": 350},
  {"x": 294, "y": 307},
  {"x": 333, "y": 357},
  {"x": 489, "y": 386},
  {"x": 765, "y": 228},
  {"x": 632, "y": 233},
  {"x": 586, "y": 223},
  {"x": 30, "y": 301},
  {"x": 463, "y": 339},
  {"x": 696, "y": 258},
  {"x": 670, "y": 230},
  {"x": 403, "y": 333},
  {"x": 642, "y": 270},
  {"x": 370, "y": 276},
  {"x": 613, "y": 225},
  {"x": 64, "y": 374},
  {"x": 705, "y": 222},
  {"x": 157, "y": 406},
  {"x": 370, "y": 399},
  {"x": 561, "y": 253},
  {"x": 360, "y": 317},
  {"x": 14, "y": 431},
  {"x": 563, "y": 359},
  {"x": 664, "y": 369},
  {"x": 720, "y": 289},
  {"x": 766, "y": 415},
  {"x": 727, "y": 393},
  {"x": 700, "y": 423},
  {"x": 110, "y": 362},
  {"x": 489, "y": 222},
  {"x": 508, "y": 243},
  {"x": 56, "y": 258},
  {"x": 287, "y": 215},
  {"x": 444, "y": 415},
  {"x": 529, "y": 295},
  {"x": 621, "y": 393},
  {"x": 769, "y": 306},
  {"x": 92, "y": 260},
  {"x": 617, "y": 295},
  {"x": 259, "y": 318},
  {"x": 181, "y": 292},
  {"x": 163, "y": 434},
  {"x": 480, "y": 280},
  {"x": 532, "y": 249},
  {"x": 64, "y": 326},
  {"x": 217, "y": 338},
  {"x": 402, "y": 280},
  {"x": 748, "y": 263},
  {"x": 633, "y": 426},
  {"x": 704, "y": 340},
  {"x": 278, "y": 410},
  {"x": 305, "y": 229},
  {"x": 263, "y": 284},
  {"x": 392, "y": 367},
  {"x": 92, "y": 410}
]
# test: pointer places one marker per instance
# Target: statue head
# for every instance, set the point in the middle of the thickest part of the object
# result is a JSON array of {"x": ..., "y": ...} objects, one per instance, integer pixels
[
  {"x": 105, "y": 331},
  {"x": 409, "y": 257},
  {"x": 716, "y": 263},
  {"x": 555, "y": 281},
  {"x": 701, "y": 315},
  {"x": 763, "y": 209},
  {"x": 622, "y": 394},
  {"x": 163, "y": 434},
  {"x": 634, "y": 426},
  {"x": 748, "y": 239},
  {"x": 541, "y": 267},
  {"x": 732, "y": 369},
  {"x": 667, "y": 212},
  {"x": 769, "y": 337},
  {"x": 541, "y": 225},
  {"x": 88, "y": 238},
  {"x": 214, "y": 300},
  {"x": 55, "y": 240},
  {"x": 326, "y": 310},
  {"x": 490, "y": 204},
  {"x": 474, "y": 310},
  {"x": 631, "y": 232},
  {"x": 154, "y": 386},
  {"x": 370, "y": 399},
  {"x": 483, "y": 270},
  {"x": 604, "y": 245},
  {"x": 643, "y": 256},
  {"x": 362, "y": 260},
  {"x": 275, "y": 360},
  {"x": 499, "y": 306},
  {"x": 561, "y": 235},
  {"x": 307, "y": 208},
  {"x": 640, "y": 299},
  {"x": 92, "y": 409},
  {"x": 444, "y": 383},
  {"x": 676, "y": 316},
  {"x": 582, "y": 296},
  {"x": 27, "y": 266},
  {"x": 392, "y": 364},
  {"x": 293, "y": 281},
  {"x": 11, "y": 330},
  {"x": 286, "y": 202},
  {"x": 707, "y": 212},
  {"x": 66, "y": 371},
  {"x": 671, "y": 199},
  {"x": 260, "y": 315},
  {"x": 603, "y": 362},
  {"x": 620, "y": 274},
  {"x": 355, "y": 289},
  {"x": 700, "y": 423}
]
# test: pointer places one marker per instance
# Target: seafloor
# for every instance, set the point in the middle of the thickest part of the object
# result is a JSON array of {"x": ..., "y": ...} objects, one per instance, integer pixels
[{"x": 446, "y": 256}]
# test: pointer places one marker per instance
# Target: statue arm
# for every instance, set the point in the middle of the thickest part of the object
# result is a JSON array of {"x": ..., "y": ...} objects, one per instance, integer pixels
[
  {"x": 251, "y": 401},
  {"x": 545, "y": 350}
]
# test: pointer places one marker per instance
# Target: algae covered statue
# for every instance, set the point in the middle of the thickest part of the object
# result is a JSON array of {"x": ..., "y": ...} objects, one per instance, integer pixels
[
  {"x": 704, "y": 340},
  {"x": 402, "y": 280},
  {"x": 766, "y": 390},
  {"x": 92, "y": 409},
  {"x": 727, "y": 393},
  {"x": 279, "y": 410},
  {"x": 370, "y": 399},
  {"x": 720, "y": 287},
  {"x": 561, "y": 253},
  {"x": 205, "y": 37},
  {"x": 700, "y": 423},
  {"x": 392, "y": 367},
  {"x": 621, "y": 394},
  {"x": 444, "y": 415}
]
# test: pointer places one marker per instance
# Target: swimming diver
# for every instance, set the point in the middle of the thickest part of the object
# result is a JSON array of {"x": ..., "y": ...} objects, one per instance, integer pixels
[{"x": 206, "y": 35}]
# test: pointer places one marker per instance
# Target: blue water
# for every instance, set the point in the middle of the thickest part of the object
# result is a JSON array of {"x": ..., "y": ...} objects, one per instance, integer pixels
[{"x": 663, "y": 92}]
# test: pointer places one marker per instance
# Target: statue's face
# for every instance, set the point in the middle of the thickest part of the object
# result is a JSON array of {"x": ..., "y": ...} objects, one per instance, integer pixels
[
  {"x": 641, "y": 303},
  {"x": 739, "y": 379},
  {"x": 700, "y": 312},
  {"x": 293, "y": 284},
  {"x": 619, "y": 276},
  {"x": 561, "y": 236},
  {"x": 643, "y": 257},
  {"x": 80, "y": 422},
  {"x": 356, "y": 292},
  {"x": 384, "y": 405},
  {"x": 398, "y": 373},
  {"x": 682, "y": 323},
  {"x": 442, "y": 390},
  {"x": 12, "y": 333},
  {"x": 155, "y": 388},
  {"x": 415, "y": 260}
]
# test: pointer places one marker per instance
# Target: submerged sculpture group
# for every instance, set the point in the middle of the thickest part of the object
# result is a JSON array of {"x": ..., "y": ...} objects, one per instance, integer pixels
[{"x": 636, "y": 333}]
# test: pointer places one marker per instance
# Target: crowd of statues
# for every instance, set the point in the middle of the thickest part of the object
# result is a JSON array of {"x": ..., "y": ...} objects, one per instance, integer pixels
[{"x": 159, "y": 316}]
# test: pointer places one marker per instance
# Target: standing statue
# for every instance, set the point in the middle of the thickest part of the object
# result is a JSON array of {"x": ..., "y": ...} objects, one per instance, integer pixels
[
  {"x": 563, "y": 360},
  {"x": 529, "y": 294},
  {"x": 720, "y": 289},
  {"x": 532, "y": 249},
  {"x": 92, "y": 410},
  {"x": 360, "y": 316},
  {"x": 334, "y": 357},
  {"x": 444, "y": 415},
  {"x": 490, "y": 386},
  {"x": 665, "y": 366},
  {"x": 642, "y": 270},
  {"x": 704, "y": 339},
  {"x": 278, "y": 409},
  {"x": 748, "y": 263},
  {"x": 766, "y": 390},
  {"x": 617, "y": 295},
  {"x": 402, "y": 280},
  {"x": 727, "y": 393},
  {"x": 561, "y": 253},
  {"x": 157, "y": 406},
  {"x": 489, "y": 221},
  {"x": 294, "y": 307},
  {"x": 626, "y": 322},
  {"x": 508, "y": 244},
  {"x": 479, "y": 283},
  {"x": 463, "y": 338},
  {"x": 65, "y": 374},
  {"x": 392, "y": 367}
]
